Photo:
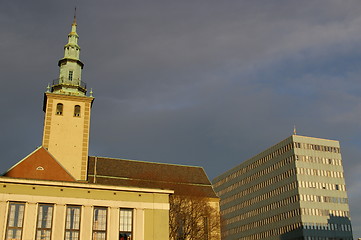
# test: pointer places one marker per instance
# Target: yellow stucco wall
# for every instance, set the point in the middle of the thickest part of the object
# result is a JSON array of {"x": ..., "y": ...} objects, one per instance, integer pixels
[
  {"x": 150, "y": 207},
  {"x": 67, "y": 136}
]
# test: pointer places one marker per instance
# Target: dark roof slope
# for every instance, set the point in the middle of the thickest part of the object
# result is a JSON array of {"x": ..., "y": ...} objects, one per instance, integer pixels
[{"x": 184, "y": 180}]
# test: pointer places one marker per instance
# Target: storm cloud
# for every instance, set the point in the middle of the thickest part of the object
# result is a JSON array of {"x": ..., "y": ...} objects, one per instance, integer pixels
[{"x": 207, "y": 83}]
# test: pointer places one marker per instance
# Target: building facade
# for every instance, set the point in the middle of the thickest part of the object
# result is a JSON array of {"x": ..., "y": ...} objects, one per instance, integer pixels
[
  {"x": 293, "y": 190},
  {"x": 47, "y": 194},
  {"x": 194, "y": 206},
  {"x": 41, "y": 209},
  {"x": 58, "y": 192}
]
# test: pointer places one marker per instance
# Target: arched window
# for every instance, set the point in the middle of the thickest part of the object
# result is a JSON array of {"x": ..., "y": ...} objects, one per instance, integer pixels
[
  {"x": 77, "y": 111},
  {"x": 59, "y": 109}
]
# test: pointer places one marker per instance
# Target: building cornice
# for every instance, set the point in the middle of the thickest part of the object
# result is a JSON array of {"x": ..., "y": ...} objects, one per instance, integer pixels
[{"x": 84, "y": 185}]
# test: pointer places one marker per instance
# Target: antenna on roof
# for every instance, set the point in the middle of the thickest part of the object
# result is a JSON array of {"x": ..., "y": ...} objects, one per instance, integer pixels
[{"x": 294, "y": 130}]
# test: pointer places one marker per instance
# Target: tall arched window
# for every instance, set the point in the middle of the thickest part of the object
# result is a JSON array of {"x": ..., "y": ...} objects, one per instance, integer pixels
[
  {"x": 77, "y": 111},
  {"x": 59, "y": 109}
]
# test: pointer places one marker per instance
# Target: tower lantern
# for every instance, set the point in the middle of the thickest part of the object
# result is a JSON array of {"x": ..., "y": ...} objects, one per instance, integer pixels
[{"x": 69, "y": 81}]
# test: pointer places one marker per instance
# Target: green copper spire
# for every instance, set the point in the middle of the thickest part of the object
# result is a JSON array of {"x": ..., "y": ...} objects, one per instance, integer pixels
[{"x": 69, "y": 81}]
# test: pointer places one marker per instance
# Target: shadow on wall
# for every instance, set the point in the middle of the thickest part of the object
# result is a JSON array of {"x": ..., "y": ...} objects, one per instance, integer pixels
[{"x": 337, "y": 228}]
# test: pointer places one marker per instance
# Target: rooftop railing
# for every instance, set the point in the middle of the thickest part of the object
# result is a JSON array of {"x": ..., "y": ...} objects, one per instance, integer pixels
[{"x": 67, "y": 81}]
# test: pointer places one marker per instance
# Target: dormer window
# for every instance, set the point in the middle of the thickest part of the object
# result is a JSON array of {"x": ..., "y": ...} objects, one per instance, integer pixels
[
  {"x": 70, "y": 75},
  {"x": 59, "y": 109},
  {"x": 77, "y": 111}
]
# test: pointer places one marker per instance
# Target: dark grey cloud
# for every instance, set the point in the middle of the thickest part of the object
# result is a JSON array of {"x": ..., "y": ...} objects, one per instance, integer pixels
[{"x": 207, "y": 83}]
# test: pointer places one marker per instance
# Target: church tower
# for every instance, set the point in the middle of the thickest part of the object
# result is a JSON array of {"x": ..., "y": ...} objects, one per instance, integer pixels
[{"x": 67, "y": 112}]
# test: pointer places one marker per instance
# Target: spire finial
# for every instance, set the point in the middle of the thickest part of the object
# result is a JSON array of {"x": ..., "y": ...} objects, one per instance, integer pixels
[
  {"x": 294, "y": 130},
  {"x": 74, "y": 21}
]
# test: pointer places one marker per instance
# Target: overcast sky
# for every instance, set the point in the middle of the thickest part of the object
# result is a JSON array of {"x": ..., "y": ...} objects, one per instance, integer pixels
[{"x": 208, "y": 83}]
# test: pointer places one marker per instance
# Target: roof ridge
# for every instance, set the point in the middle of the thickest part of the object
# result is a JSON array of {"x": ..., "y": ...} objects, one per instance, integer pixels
[
  {"x": 16, "y": 164},
  {"x": 143, "y": 161},
  {"x": 145, "y": 180},
  {"x": 331, "y": 140}
]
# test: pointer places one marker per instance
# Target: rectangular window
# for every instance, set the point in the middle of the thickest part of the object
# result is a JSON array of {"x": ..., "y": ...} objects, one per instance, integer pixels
[
  {"x": 70, "y": 75},
  {"x": 100, "y": 223},
  {"x": 44, "y": 224},
  {"x": 15, "y": 221},
  {"x": 72, "y": 224},
  {"x": 126, "y": 224}
]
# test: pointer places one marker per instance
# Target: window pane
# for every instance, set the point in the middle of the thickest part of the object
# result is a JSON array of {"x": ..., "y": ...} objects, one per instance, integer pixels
[
  {"x": 100, "y": 219},
  {"x": 45, "y": 216},
  {"x": 69, "y": 235},
  {"x": 14, "y": 234},
  {"x": 72, "y": 218},
  {"x": 77, "y": 111},
  {"x": 100, "y": 223},
  {"x": 126, "y": 220},
  {"x": 15, "y": 221},
  {"x": 59, "y": 109},
  {"x": 125, "y": 236},
  {"x": 99, "y": 236},
  {"x": 126, "y": 224},
  {"x": 72, "y": 224},
  {"x": 43, "y": 235}
]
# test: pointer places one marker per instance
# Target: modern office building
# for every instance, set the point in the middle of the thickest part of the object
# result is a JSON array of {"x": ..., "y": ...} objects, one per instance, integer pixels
[{"x": 293, "y": 190}]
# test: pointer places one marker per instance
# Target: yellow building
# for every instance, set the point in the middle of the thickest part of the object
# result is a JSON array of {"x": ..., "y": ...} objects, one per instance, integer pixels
[
  {"x": 59, "y": 192},
  {"x": 43, "y": 209}
]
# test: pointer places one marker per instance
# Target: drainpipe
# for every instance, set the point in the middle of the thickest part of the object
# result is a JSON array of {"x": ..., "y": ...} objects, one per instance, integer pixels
[{"x": 95, "y": 169}]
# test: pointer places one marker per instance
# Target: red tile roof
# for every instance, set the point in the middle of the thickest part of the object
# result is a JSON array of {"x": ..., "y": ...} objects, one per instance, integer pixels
[{"x": 40, "y": 164}]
